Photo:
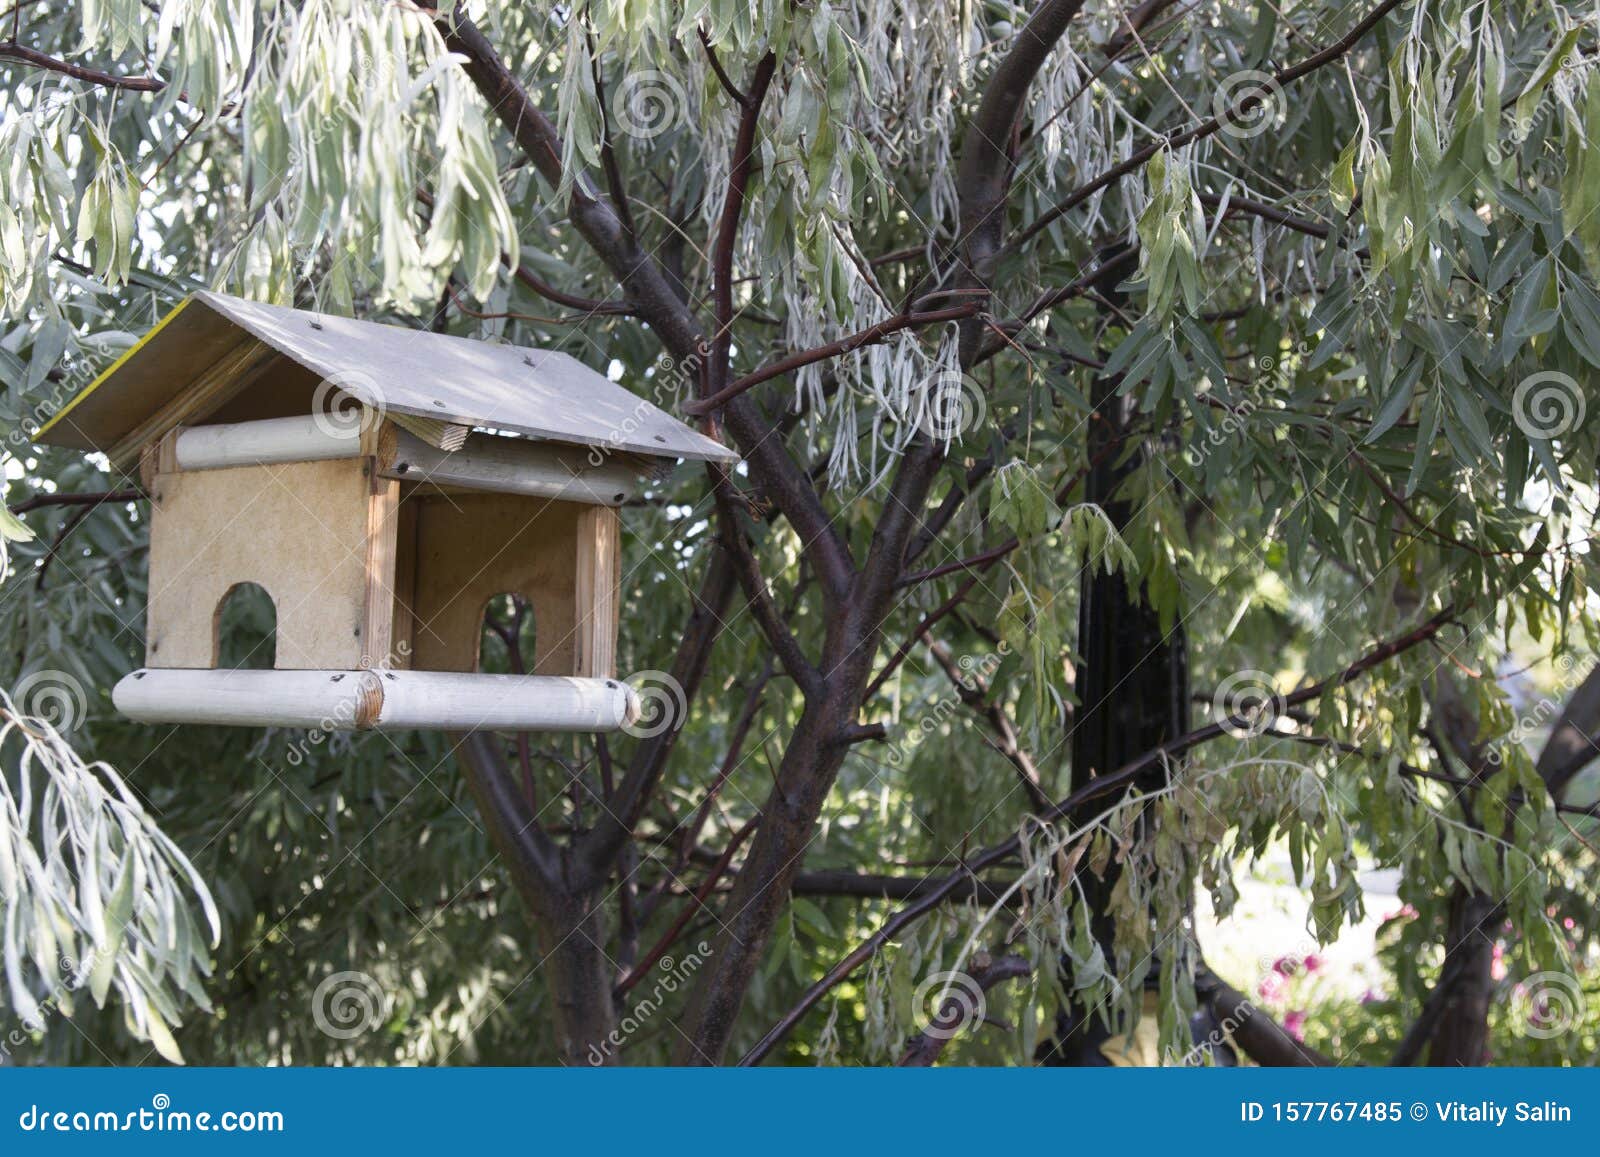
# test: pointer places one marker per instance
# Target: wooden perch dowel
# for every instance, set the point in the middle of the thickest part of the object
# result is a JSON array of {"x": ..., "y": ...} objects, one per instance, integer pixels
[
  {"x": 378, "y": 699},
  {"x": 304, "y": 438}
]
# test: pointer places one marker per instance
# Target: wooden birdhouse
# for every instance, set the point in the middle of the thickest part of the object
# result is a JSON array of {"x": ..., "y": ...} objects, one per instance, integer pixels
[{"x": 382, "y": 485}]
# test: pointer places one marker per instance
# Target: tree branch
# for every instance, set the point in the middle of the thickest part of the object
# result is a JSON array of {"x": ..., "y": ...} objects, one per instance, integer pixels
[
  {"x": 85, "y": 499},
  {"x": 533, "y": 856},
  {"x": 1094, "y": 789},
  {"x": 971, "y": 690},
  {"x": 728, "y": 86},
  {"x": 869, "y": 336},
  {"x": 924, "y": 1048},
  {"x": 696, "y": 902},
  {"x": 983, "y": 179},
  {"x": 1263, "y": 1039},
  {"x": 644, "y": 283},
  {"x": 870, "y": 886},
  {"x": 762, "y": 609},
  {"x": 1204, "y": 129},
  {"x": 600, "y": 847},
  {"x": 32, "y": 58}
]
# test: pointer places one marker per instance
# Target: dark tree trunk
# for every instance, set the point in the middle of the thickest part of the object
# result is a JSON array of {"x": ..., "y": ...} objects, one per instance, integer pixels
[
  {"x": 1132, "y": 681},
  {"x": 1462, "y": 1035},
  {"x": 568, "y": 922}
]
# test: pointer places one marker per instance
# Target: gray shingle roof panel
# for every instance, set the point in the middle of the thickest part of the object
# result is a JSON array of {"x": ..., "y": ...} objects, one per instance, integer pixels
[{"x": 537, "y": 393}]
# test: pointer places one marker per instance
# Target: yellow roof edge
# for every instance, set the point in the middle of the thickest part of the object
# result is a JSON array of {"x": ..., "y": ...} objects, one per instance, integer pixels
[{"x": 111, "y": 369}]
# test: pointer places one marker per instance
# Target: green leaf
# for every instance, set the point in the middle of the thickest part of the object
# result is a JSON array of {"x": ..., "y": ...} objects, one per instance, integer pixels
[
  {"x": 1396, "y": 402},
  {"x": 118, "y": 912}
]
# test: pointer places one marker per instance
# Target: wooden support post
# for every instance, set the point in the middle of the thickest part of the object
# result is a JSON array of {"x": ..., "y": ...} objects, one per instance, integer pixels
[
  {"x": 383, "y": 537},
  {"x": 599, "y": 575}
]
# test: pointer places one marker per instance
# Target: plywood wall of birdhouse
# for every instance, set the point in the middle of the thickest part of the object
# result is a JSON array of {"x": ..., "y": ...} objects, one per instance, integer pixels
[
  {"x": 465, "y": 549},
  {"x": 299, "y": 530}
]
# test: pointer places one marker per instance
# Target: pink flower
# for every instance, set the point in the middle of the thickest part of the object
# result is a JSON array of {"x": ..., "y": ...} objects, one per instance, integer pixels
[
  {"x": 1371, "y": 996},
  {"x": 1569, "y": 923},
  {"x": 1271, "y": 987},
  {"x": 1294, "y": 1023},
  {"x": 1312, "y": 963},
  {"x": 1286, "y": 965},
  {"x": 1497, "y": 969}
]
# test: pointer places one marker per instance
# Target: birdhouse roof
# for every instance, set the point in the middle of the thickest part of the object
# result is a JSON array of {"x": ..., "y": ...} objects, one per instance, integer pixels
[{"x": 509, "y": 389}]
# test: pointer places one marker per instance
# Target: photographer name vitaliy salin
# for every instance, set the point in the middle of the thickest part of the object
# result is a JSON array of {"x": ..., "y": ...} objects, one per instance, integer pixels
[{"x": 1489, "y": 1112}]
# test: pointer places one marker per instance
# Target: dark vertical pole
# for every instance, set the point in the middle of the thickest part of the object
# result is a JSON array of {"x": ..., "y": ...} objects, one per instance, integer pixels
[{"x": 1132, "y": 681}]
